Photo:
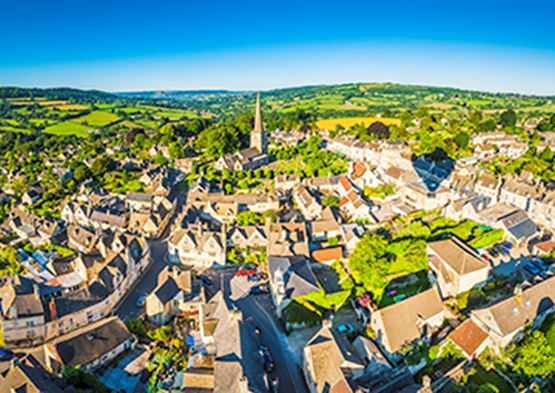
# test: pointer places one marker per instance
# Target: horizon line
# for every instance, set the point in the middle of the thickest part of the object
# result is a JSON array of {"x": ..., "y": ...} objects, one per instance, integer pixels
[{"x": 282, "y": 87}]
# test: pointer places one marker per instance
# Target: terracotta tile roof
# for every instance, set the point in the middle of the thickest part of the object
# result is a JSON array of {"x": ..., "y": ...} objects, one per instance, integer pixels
[
  {"x": 358, "y": 170},
  {"x": 345, "y": 183},
  {"x": 328, "y": 254},
  {"x": 468, "y": 336},
  {"x": 547, "y": 246}
]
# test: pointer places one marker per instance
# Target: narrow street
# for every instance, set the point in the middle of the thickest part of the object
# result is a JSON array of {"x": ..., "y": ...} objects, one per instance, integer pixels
[
  {"x": 289, "y": 375},
  {"x": 128, "y": 308}
]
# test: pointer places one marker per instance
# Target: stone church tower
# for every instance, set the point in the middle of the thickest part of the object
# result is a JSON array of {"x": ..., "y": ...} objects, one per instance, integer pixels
[{"x": 259, "y": 139}]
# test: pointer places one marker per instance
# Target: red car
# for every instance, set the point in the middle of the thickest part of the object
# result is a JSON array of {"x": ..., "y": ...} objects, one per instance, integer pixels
[{"x": 244, "y": 273}]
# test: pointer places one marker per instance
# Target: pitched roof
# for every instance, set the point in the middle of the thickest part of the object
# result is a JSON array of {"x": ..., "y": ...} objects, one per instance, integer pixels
[
  {"x": 81, "y": 236},
  {"x": 298, "y": 277},
  {"x": 546, "y": 246},
  {"x": 516, "y": 311},
  {"x": 519, "y": 188},
  {"x": 237, "y": 361},
  {"x": 358, "y": 170},
  {"x": 139, "y": 196},
  {"x": 324, "y": 226},
  {"x": 167, "y": 291},
  {"x": 456, "y": 254},
  {"x": 401, "y": 320},
  {"x": 328, "y": 254},
  {"x": 91, "y": 342},
  {"x": 468, "y": 336},
  {"x": 19, "y": 292},
  {"x": 28, "y": 376},
  {"x": 488, "y": 181},
  {"x": 331, "y": 353}
]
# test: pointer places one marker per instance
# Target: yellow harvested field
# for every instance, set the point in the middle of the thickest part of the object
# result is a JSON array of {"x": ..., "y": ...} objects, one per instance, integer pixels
[
  {"x": 52, "y": 103},
  {"x": 330, "y": 124},
  {"x": 71, "y": 107},
  {"x": 441, "y": 105},
  {"x": 42, "y": 102}
]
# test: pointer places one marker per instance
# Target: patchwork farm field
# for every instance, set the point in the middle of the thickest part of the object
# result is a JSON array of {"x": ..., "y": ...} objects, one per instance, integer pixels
[
  {"x": 68, "y": 128},
  {"x": 331, "y": 124},
  {"x": 70, "y": 117},
  {"x": 97, "y": 119}
]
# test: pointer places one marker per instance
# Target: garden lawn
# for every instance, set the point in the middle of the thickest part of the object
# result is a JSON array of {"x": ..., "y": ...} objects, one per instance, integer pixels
[
  {"x": 421, "y": 284},
  {"x": 483, "y": 377},
  {"x": 68, "y": 128}
]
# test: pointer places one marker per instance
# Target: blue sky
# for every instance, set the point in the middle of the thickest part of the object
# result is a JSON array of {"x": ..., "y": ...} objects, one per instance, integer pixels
[{"x": 135, "y": 45}]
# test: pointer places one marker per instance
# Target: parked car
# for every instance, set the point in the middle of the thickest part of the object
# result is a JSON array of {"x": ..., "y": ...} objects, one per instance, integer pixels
[
  {"x": 274, "y": 385},
  {"x": 508, "y": 245},
  {"x": 244, "y": 273},
  {"x": 530, "y": 268},
  {"x": 259, "y": 289},
  {"x": 206, "y": 280},
  {"x": 538, "y": 263},
  {"x": 268, "y": 362},
  {"x": 346, "y": 328},
  {"x": 6, "y": 354},
  {"x": 493, "y": 252},
  {"x": 141, "y": 300}
]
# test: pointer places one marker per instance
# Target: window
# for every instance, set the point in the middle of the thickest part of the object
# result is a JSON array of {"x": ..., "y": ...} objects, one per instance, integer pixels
[{"x": 30, "y": 323}]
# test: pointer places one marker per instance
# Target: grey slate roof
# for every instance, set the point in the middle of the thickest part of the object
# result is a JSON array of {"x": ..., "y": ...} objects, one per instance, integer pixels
[
  {"x": 167, "y": 291},
  {"x": 88, "y": 344},
  {"x": 297, "y": 275}
]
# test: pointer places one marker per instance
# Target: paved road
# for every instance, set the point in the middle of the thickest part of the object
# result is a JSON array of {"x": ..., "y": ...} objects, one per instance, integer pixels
[
  {"x": 128, "y": 308},
  {"x": 289, "y": 375}
]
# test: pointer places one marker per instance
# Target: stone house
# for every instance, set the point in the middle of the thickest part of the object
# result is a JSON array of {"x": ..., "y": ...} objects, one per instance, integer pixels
[
  {"x": 90, "y": 347},
  {"x": 408, "y": 321},
  {"x": 176, "y": 292},
  {"x": 456, "y": 266}
]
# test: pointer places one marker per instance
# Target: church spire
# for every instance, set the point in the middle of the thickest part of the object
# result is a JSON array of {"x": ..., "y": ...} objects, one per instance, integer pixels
[
  {"x": 259, "y": 139},
  {"x": 258, "y": 127}
]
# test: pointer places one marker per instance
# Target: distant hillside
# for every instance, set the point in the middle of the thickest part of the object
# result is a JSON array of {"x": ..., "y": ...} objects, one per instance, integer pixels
[
  {"x": 320, "y": 101},
  {"x": 176, "y": 94},
  {"x": 56, "y": 93}
]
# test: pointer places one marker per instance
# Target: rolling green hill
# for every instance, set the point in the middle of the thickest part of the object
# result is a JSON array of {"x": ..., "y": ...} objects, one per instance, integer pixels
[{"x": 74, "y": 111}]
